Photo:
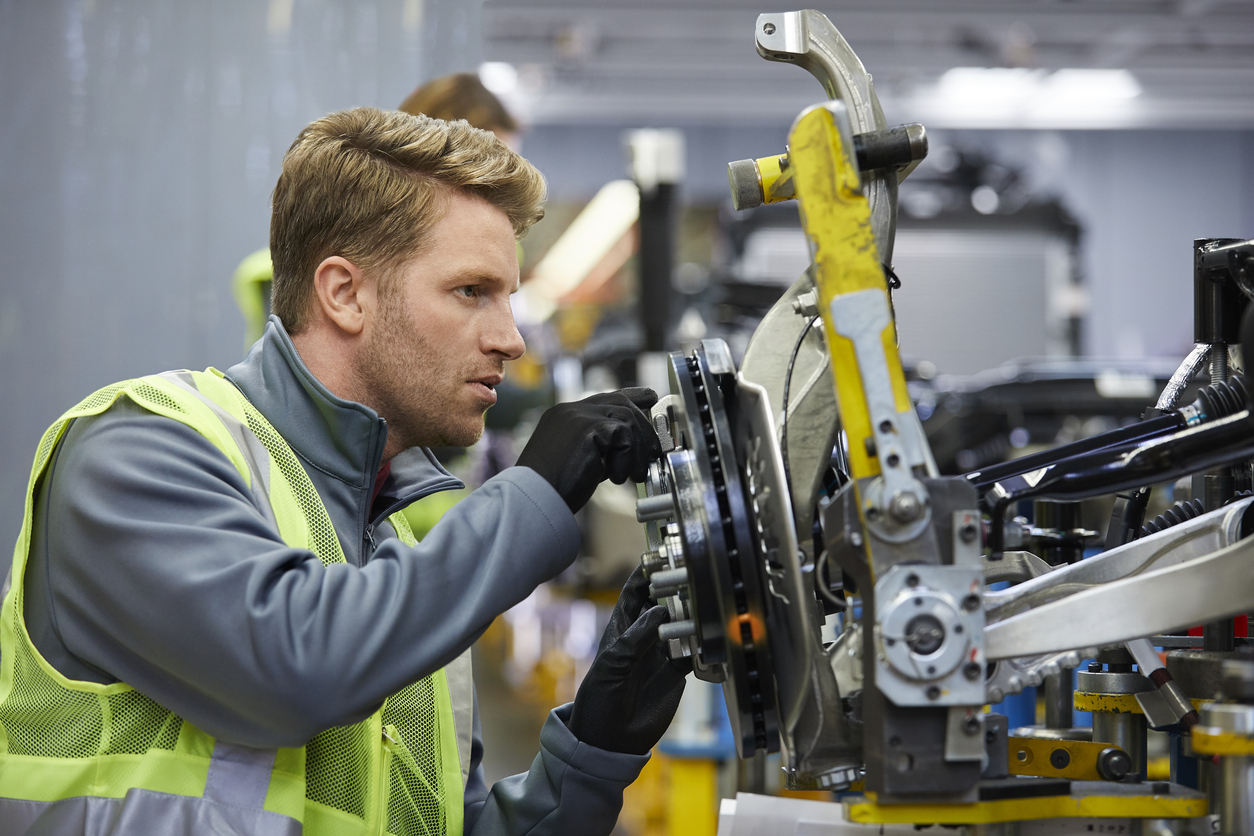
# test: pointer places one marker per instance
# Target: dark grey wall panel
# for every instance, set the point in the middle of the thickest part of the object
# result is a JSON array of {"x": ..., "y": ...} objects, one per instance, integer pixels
[{"x": 139, "y": 142}]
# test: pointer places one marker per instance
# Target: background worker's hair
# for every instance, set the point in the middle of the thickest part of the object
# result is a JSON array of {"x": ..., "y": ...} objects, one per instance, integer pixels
[
  {"x": 461, "y": 96},
  {"x": 369, "y": 185}
]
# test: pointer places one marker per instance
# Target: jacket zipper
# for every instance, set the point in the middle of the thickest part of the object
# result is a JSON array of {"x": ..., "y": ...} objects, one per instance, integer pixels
[{"x": 385, "y": 780}]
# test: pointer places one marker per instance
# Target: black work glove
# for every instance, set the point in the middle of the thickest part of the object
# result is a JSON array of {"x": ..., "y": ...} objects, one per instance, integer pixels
[
  {"x": 630, "y": 694},
  {"x": 577, "y": 445}
]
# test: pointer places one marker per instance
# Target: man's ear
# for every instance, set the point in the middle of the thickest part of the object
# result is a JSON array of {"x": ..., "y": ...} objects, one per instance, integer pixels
[{"x": 343, "y": 295}]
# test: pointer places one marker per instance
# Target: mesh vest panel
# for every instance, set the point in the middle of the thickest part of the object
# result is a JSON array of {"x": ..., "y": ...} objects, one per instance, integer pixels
[{"x": 44, "y": 715}]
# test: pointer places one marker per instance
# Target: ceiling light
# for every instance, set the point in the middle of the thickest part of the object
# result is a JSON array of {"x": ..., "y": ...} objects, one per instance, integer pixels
[
  {"x": 1093, "y": 84},
  {"x": 498, "y": 76},
  {"x": 1011, "y": 97}
]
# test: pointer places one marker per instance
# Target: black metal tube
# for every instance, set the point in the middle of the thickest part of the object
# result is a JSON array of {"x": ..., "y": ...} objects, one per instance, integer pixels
[
  {"x": 1214, "y": 401},
  {"x": 1153, "y": 428},
  {"x": 1127, "y": 466},
  {"x": 890, "y": 148},
  {"x": 1217, "y": 301},
  {"x": 657, "y": 254}
]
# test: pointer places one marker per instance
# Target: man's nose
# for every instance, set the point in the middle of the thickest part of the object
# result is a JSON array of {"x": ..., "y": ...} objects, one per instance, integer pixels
[{"x": 502, "y": 336}]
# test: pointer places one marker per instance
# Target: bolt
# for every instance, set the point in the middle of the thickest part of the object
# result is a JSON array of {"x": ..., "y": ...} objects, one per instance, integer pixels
[
  {"x": 886, "y": 426},
  {"x": 971, "y": 603},
  {"x": 1113, "y": 764},
  {"x": 912, "y": 581},
  {"x": 967, "y": 533},
  {"x": 971, "y": 725},
  {"x": 1059, "y": 758},
  {"x": 768, "y": 28},
  {"x": 893, "y": 460},
  {"x": 855, "y": 539},
  {"x": 933, "y": 693},
  {"x": 972, "y": 670},
  {"x": 990, "y": 737},
  {"x": 1095, "y": 667},
  {"x": 904, "y": 507}
]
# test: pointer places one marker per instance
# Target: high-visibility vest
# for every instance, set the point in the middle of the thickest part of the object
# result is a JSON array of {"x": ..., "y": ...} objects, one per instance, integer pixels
[{"x": 81, "y": 757}]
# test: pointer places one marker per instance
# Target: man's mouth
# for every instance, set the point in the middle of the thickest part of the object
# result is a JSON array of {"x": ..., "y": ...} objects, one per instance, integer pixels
[{"x": 485, "y": 387}]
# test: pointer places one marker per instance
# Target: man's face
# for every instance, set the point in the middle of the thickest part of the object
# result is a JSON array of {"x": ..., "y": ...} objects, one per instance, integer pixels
[{"x": 444, "y": 328}]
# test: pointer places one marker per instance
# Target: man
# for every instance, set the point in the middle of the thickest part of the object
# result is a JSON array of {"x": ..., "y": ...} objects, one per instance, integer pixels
[{"x": 216, "y": 621}]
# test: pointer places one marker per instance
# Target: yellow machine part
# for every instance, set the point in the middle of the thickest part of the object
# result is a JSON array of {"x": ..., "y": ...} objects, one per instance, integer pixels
[
  {"x": 1035, "y": 756},
  {"x": 1076, "y": 805},
  {"x": 1213, "y": 741},
  {"x": 776, "y": 177},
  {"x": 837, "y": 220},
  {"x": 1113, "y": 703},
  {"x": 693, "y": 798}
]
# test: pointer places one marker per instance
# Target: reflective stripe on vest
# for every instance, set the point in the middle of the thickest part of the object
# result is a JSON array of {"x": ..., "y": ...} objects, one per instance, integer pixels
[{"x": 84, "y": 758}]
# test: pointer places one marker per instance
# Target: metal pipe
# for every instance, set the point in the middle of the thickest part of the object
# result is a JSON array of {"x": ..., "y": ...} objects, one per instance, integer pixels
[
  {"x": 1127, "y": 731},
  {"x": 1236, "y": 796},
  {"x": 1059, "y": 700}
]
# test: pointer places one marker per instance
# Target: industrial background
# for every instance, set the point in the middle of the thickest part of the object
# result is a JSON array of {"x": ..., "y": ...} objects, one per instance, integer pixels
[{"x": 140, "y": 140}]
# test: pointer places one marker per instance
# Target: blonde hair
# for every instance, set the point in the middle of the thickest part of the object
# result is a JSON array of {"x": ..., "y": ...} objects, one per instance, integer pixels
[{"x": 367, "y": 185}]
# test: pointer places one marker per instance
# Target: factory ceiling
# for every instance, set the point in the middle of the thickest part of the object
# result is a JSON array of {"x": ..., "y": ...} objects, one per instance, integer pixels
[{"x": 951, "y": 63}]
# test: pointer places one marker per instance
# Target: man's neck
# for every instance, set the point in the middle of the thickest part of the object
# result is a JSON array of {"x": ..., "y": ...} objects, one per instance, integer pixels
[{"x": 331, "y": 361}]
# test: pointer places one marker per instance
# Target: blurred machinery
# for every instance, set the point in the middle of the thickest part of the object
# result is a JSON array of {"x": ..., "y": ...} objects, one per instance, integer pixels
[{"x": 800, "y": 485}]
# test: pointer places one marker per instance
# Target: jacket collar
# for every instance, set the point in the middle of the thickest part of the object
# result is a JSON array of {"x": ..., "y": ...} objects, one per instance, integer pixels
[{"x": 341, "y": 439}]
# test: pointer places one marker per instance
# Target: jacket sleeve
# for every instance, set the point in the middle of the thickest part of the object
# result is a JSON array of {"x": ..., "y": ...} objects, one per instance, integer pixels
[
  {"x": 571, "y": 787},
  {"x": 160, "y": 572}
]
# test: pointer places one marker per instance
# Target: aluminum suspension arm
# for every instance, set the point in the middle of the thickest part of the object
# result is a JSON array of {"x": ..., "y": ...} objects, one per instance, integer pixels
[{"x": 1192, "y": 573}]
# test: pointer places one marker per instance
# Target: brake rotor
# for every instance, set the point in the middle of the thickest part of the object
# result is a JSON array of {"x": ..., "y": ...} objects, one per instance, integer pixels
[{"x": 725, "y": 596}]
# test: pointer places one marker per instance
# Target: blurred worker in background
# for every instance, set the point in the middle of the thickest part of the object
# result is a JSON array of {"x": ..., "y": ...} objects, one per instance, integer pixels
[
  {"x": 463, "y": 96},
  {"x": 216, "y": 621}
]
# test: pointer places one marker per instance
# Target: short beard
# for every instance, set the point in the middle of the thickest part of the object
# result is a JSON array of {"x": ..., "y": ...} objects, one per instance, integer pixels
[{"x": 406, "y": 396}]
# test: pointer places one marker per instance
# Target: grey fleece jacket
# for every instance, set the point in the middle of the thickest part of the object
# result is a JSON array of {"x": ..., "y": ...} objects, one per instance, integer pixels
[{"x": 151, "y": 565}]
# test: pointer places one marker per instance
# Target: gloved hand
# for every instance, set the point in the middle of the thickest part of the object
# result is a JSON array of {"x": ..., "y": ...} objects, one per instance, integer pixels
[
  {"x": 627, "y": 700},
  {"x": 577, "y": 445}
]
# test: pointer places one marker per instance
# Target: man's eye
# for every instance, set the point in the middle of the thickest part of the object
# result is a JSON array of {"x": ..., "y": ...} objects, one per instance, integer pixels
[{"x": 469, "y": 291}]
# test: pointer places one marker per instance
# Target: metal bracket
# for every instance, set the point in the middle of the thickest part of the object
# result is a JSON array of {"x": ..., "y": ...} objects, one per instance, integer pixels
[
  {"x": 898, "y": 503},
  {"x": 929, "y": 636}
]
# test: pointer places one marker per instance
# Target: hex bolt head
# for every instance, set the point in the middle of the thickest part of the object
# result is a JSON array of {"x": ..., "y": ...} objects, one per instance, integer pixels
[
  {"x": 971, "y": 725},
  {"x": 768, "y": 28},
  {"x": 967, "y": 533},
  {"x": 972, "y": 670},
  {"x": 912, "y": 580},
  {"x": 971, "y": 603},
  {"x": 1113, "y": 764},
  {"x": 933, "y": 692},
  {"x": 1060, "y": 759},
  {"x": 904, "y": 507}
]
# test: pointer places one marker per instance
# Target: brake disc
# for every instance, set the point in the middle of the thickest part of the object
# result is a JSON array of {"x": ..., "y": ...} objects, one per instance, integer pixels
[{"x": 724, "y": 593}]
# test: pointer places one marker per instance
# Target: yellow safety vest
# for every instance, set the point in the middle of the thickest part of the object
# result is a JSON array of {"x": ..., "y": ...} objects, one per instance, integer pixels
[{"x": 127, "y": 760}]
